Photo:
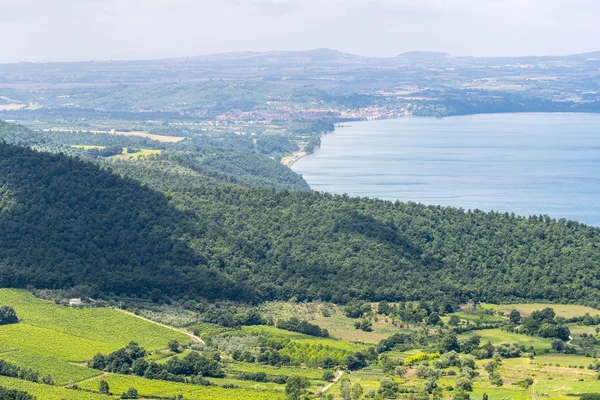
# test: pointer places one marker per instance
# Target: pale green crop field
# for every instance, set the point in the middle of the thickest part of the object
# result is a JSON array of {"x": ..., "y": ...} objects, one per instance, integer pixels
[
  {"x": 241, "y": 367},
  {"x": 562, "y": 310},
  {"x": 62, "y": 372},
  {"x": 497, "y": 336},
  {"x": 48, "y": 342},
  {"x": 47, "y": 392},
  {"x": 565, "y": 389},
  {"x": 146, "y": 387}
]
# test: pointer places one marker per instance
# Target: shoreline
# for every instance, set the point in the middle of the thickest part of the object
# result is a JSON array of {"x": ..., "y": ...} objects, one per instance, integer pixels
[{"x": 293, "y": 158}]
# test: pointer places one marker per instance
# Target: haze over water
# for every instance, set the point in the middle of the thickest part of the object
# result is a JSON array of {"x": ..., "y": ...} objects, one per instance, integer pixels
[{"x": 521, "y": 163}]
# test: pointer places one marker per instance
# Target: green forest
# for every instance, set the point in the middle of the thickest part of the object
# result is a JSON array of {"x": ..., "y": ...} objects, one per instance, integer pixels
[{"x": 184, "y": 224}]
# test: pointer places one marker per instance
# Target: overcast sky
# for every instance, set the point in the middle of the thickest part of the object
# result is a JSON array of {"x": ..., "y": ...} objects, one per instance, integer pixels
[{"x": 55, "y": 30}]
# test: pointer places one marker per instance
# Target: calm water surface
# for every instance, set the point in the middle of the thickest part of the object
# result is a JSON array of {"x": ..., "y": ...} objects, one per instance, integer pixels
[{"x": 521, "y": 163}]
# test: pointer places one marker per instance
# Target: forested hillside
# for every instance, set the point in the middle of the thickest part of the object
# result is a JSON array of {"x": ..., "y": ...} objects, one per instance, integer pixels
[{"x": 181, "y": 231}]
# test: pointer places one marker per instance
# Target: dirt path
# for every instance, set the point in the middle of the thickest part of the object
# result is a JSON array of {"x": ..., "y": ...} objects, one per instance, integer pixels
[
  {"x": 533, "y": 391},
  {"x": 338, "y": 376},
  {"x": 191, "y": 335},
  {"x": 87, "y": 380}
]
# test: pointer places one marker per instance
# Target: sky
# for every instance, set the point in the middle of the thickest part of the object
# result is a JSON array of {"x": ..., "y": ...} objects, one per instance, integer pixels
[{"x": 79, "y": 30}]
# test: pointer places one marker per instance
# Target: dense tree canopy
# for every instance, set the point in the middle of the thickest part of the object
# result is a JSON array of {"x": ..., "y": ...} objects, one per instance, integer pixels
[{"x": 174, "y": 225}]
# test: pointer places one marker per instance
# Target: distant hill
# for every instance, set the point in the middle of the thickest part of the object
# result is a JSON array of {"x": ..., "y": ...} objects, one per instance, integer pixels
[
  {"x": 423, "y": 55},
  {"x": 312, "y": 56}
]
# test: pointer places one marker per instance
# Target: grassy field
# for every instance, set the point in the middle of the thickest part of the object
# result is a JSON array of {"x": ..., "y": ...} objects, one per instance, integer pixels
[
  {"x": 337, "y": 323},
  {"x": 497, "y": 336},
  {"x": 134, "y": 156},
  {"x": 473, "y": 316},
  {"x": 83, "y": 147},
  {"x": 562, "y": 310}
]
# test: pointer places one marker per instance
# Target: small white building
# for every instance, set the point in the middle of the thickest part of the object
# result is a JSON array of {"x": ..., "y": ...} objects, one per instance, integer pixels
[{"x": 75, "y": 302}]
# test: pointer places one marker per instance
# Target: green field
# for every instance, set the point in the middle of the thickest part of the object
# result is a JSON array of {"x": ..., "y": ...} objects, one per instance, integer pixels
[
  {"x": 146, "y": 387},
  {"x": 62, "y": 372},
  {"x": 46, "y": 392},
  {"x": 54, "y": 340},
  {"x": 87, "y": 330},
  {"x": 497, "y": 336},
  {"x": 240, "y": 367},
  {"x": 308, "y": 349}
]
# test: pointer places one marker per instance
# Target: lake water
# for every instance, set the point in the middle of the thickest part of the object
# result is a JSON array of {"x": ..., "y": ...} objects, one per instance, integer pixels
[{"x": 521, "y": 163}]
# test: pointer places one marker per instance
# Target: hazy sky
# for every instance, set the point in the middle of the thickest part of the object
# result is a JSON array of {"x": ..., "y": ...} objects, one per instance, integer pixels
[{"x": 35, "y": 30}]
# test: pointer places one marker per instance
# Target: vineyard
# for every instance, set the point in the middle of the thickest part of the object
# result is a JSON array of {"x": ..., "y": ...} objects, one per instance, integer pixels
[{"x": 120, "y": 383}]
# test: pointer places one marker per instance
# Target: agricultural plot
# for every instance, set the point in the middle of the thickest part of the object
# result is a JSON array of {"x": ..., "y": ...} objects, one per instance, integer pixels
[
  {"x": 62, "y": 372},
  {"x": 308, "y": 349},
  {"x": 110, "y": 329},
  {"x": 477, "y": 316},
  {"x": 48, "y": 342},
  {"x": 562, "y": 310},
  {"x": 497, "y": 336},
  {"x": 241, "y": 367},
  {"x": 47, "y": 392},
  {"x": 332, "y": 318},
  {"x": 564, "y": 389},
  {"x": 134, "y": 156},
  {"x": 148, "y": 388}
]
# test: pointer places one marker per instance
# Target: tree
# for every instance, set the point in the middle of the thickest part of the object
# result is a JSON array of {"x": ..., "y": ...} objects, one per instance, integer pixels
[
  {"x": 384, "y": 308},
  {"x": 454, "y": 320},
  {"x": 328, "y": 376},
  {"x": 296, "y": 386},
  {"x": 103, "y": 387},
  {"x": 345, "y": 389},
  {"x": 449, "y": 342},
  {"x": 174, "y": 346},
  {"x": 461, "y": 395},
  {"x": 8, "y": 315},
  {"x": 356, "y": 392},
  {"x": 131, "y": 393},
  {"x": 400, "y": 371},
  {"x": 558, "y": 345},
  {"x": 327, "y": 363},
  {"x": 515, "y": 317},
  {"x": 464, "y": 383},
  {"x": 388, "y": 388},
  {"x": 139, "y": 366},
  {"x": 434, "y": 319}
]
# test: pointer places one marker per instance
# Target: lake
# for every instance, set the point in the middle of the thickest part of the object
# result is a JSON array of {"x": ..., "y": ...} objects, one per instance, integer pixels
[{"x": 521, "y": 163}]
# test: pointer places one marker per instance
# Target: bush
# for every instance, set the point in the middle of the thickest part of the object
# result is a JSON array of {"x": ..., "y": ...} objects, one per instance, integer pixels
[
  {"x": 13, "y": 394},
  {"x": 328, "y": 376},
  {"x": 254, "y": 376},
  {"x": 590, "y": 396},
  {"x": 132, "y": 393}
]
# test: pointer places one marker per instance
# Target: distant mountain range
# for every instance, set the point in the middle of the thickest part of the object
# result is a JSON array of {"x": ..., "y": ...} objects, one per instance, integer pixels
[{"x": 325, "y": 55}]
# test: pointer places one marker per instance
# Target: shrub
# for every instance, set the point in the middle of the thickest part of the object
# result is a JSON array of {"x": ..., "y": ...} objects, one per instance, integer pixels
[{"x": 328, "y": 376}]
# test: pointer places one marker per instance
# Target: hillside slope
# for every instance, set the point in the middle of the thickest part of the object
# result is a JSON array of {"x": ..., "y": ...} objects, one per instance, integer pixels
[
  {"x": 158, "y": 228},
  {"x": 66, "y": 222}
]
